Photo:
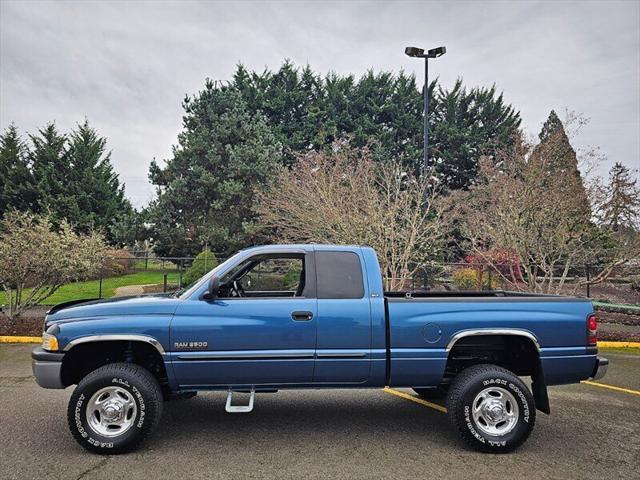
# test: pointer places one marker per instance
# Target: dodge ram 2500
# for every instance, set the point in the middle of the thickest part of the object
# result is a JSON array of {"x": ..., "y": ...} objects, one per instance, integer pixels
[{"x": 314, "y": 316}]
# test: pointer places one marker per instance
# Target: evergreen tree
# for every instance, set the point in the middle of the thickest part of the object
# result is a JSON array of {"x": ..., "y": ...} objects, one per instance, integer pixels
[
  {"x": 551, "y": 126},
  {"x": 74, "y": 179},
  {"x": 307, "y": 112},
  {"x": 206, "y": 190},
  {"x": 557, "y": 159},
  {"x": 292, "y": 103},
  {"x": 17, "y": 189},
  {"x": 129, "y": 230},
  {"x": 403, "y": 127},
  {"x": 466, "y": 125},
  {"x": 95, "y": 187},
  {"x": 621, "y": 207},
  {"x": 338, "y": 106},
  {"x": 236, "y": 135},
  {"x": 52, "y": 173},
  {"x": 563, "y": 157}
]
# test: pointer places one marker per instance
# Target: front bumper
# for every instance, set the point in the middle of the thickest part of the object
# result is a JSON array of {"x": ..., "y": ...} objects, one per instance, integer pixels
[
  {"x": 600, "y": 369},
  {"x": 47, "y": 368}
]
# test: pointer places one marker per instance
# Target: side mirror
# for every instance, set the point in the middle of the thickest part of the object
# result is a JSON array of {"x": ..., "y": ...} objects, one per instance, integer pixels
[{"x": 214, "y": 286}]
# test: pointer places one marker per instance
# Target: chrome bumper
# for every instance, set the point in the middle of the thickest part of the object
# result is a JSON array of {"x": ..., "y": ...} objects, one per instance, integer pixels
[
  {"x": 47, "y": 368},
  {"x": 601, "y": 368}
]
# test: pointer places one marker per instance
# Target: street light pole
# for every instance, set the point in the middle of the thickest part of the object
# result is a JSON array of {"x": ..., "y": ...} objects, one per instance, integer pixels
[
  {"x": 419, "y": 53},
  {"x": 425, "y": 160}
]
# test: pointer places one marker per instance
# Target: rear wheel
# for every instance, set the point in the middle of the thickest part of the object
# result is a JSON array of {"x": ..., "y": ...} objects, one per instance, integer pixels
[
  {"x": 491, "y": 408},
  {"x": 114, "y": 408}
]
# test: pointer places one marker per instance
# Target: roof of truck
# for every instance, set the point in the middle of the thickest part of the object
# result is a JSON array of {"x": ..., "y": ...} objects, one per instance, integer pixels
[{"x": 304, "y": 246}]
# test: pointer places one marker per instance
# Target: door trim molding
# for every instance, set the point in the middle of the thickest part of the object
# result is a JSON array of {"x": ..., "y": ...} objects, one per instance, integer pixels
[
  {"x": 342, "y": 355},
  {"x": 235, "y": 356}
]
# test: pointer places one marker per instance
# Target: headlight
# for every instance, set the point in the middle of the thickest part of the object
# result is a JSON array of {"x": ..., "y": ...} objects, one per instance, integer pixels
[{"x": 49, "y": 342}]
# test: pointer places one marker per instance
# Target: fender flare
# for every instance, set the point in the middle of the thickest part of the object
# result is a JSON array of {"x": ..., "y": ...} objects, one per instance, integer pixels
[
  {"x": 115, "y": 337},
  {"x": 538, "y": 384},
  {"x": 493, "y": 331}
]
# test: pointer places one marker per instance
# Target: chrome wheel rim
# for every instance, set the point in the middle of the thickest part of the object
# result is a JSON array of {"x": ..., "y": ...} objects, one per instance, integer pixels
[
  {"x": 495, "y": 411},
  {"x": 111, "y": 411}
]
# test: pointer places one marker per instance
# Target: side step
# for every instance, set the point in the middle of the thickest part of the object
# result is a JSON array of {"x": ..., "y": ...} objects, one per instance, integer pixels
[{"x": 240, "y": 408}]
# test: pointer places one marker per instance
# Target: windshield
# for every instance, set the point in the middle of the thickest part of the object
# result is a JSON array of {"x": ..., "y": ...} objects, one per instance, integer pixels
[{"x": 195, "y": 285}]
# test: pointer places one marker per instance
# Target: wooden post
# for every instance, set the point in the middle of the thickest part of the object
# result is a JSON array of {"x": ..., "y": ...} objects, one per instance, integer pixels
[{"x": 588, "y": 281}]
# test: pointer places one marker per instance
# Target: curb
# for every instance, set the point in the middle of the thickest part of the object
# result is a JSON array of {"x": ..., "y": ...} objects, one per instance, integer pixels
[
  {"x": 12, "y": 339},
  {"x": 619, "y": 344}
]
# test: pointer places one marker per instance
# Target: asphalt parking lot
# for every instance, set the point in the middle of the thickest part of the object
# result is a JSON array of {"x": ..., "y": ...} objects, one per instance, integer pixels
[{"x": 593, "y": 432}]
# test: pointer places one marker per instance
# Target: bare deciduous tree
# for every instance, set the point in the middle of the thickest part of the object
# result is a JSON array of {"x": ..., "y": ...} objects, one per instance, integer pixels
[
  {"x": 619, "y": 206},
  {"x": 36, "y": 259},
  {"x": 526, "y": 204},
  {"x": 346, "y": 197},
  {"x": 617, "y": 211}
]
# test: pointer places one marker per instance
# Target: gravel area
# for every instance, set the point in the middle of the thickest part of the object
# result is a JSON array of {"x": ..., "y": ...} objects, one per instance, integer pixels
[
  {"x": 618, "y": 332},
  {"x": 618, "y": 318}
]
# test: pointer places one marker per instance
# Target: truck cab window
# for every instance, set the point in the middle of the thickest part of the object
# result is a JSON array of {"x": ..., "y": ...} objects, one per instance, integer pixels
[
  {"x": 339, "y": 275},
  {"x": 265, "y": 276}
]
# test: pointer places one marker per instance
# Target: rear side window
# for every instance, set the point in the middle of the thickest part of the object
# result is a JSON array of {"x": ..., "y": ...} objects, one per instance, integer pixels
[{"x": 339, "y": 275}]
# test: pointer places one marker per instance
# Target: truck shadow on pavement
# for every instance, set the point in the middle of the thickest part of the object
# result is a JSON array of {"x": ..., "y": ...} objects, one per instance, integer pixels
[{"x": 337, "y": 415}]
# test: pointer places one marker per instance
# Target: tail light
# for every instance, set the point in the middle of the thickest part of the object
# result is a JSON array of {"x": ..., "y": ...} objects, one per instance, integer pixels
[{"x": 592, "y": 330}]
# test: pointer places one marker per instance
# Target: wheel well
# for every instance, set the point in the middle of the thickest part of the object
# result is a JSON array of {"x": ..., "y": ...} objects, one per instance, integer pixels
[
  {"x": 513, "y": 352},
  {"x": 87, "y": 357}
]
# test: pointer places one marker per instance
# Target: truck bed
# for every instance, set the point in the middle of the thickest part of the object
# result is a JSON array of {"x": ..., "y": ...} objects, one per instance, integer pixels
[{"x": 422, "y": 326}]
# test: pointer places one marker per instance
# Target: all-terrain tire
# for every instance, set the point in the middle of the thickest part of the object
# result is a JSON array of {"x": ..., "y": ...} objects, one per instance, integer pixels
[
  {"x": 132, "y": 385},
  {"x": 469, "y": 390}
]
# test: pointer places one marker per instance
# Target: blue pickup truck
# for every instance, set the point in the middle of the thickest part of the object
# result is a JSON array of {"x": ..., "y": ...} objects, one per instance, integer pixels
[{"x": 314, "y": 316}]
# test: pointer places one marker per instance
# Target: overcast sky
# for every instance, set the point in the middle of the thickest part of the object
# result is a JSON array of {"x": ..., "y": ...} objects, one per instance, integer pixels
[{"x": 126, "y": 66}]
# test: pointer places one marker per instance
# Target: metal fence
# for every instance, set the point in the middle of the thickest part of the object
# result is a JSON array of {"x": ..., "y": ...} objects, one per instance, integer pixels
[
  {"x": 582, "y": 280},
  {"x": 145, "y": 274},
  {"x": 136, "y": 275}
]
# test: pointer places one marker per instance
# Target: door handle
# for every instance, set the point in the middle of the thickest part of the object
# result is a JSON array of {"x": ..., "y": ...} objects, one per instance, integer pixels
[{"x": 302, "y": 316}]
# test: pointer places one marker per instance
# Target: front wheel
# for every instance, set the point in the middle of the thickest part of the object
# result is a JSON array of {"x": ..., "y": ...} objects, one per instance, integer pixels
[
  {"x": 114, "y": 408},
  {"x": 491, "y": 408}
]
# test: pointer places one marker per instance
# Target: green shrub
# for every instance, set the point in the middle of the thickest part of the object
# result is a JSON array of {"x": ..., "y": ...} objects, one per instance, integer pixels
[
  {"x": 467, "y": 279},
  {"x": 203, "y": 263},
  {"x": 117, "y": 263},
  {"x": 292, "y": 278}
]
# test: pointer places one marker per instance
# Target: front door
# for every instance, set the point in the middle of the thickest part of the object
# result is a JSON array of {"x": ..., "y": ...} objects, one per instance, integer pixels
[{"x": 260, "y": 330}]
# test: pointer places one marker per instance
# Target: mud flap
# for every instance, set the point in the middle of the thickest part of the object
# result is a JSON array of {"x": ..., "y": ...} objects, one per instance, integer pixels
[{"x": 539, "y": 390}]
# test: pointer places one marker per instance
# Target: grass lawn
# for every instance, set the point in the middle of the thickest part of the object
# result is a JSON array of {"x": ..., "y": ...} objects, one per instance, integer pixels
[{"x": 90, "y": 289}]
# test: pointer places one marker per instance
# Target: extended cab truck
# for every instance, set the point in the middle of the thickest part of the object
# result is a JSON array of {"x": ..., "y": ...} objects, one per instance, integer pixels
[{"x": 314, "y": 316}]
